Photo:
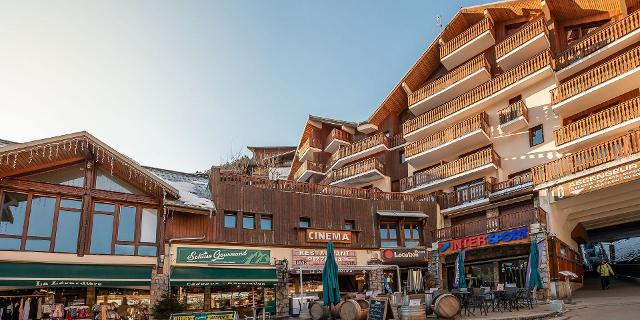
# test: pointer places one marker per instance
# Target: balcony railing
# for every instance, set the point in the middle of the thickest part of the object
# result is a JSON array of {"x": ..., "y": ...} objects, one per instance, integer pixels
[
  {"x": 513, "y": 182},
  {"x": 475, "y": 160},
  {"x": 502, "y": 222},
  {"x": 478, "y": 93},
  {"x": 519, "y": 38},
  {"x": 458, "y": 130},
  {"x": 604, "y": 119},
  {"x": 396, "y": 141},
  {"x": 450, "y": 78},
  {"x": 358, "y": 146},
  {"x": 311, "y": 142},
  {"x": 513, "y": 111},
  {"x": 355, "y": 169},
  {"x": 308, "y": 166},
  {"x": 593, "y": 42},
  {"x": 460, "y": 40},
  {"x": 467, "y": 195},
  {"x": 593, "y": 77},
  {"x": 337, "y": 134},
  {"x": 608, "y": 151}
]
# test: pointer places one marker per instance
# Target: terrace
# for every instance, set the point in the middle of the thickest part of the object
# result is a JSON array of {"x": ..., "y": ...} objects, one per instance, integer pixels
[
  {"x": 361, "y": 172},
  {"x": 359, "y": 150},
  {"x": 337, "y": 138},
  {"x": 522, "y": 45},
  {"x": 308, "y": 169},
  {"x": 468, "y": 44},
  {"x": 514, "y": 117},
  {"x": 310, "y": 146}
]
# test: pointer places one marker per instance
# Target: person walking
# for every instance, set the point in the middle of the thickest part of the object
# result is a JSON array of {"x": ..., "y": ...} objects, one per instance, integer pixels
[{"x": 605, "y": 271}]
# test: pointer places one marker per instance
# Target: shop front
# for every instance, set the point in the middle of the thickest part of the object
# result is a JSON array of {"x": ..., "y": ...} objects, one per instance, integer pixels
[
  {"x": 413, "y": 263},
  {"x": 224, "y": 279},
  {"x": 310, "y": 263},
  {"x": 75, "y": 291}
]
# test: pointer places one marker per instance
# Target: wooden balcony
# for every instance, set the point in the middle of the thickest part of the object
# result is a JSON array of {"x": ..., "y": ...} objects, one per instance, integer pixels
[
  {"x": 307, "y": 169},
  {"x": 472, "y": 166},
  {"x": 614, "y": 149},
  {"x": 611, "y": 79},
  {"x": 503, "y": 86},
  {"x": 514, "y": 117},
  {"x": 468, "y": 44},
  {"x": 508, "y": 221},
  {"x": 600, "y": 126},
  {"x": 457, "y": 139},
  {"x": 522, "y": 45},
  {"x": 599, "y": 45},
  {"x": 452, "y": 84},
  {"x": 361, "y": 172},
  {"x": 309, "y": 147},
  {"x": 474, "y": 194},
  {"x": 509, "y": 188},
  {"x": 337, "y": 138},
  {"x": 359, "y": 150}
]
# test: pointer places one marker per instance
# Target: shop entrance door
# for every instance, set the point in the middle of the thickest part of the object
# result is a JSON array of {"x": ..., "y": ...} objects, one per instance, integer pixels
[{"x": 514, "y": 272}]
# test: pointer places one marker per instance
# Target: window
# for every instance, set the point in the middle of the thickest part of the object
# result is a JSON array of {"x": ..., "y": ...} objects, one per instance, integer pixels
[
  {"x": 411, "y": 234},
  {"x": 68, "y": 176},
  {"x": 68, "y": 226},
  {"x": 304, "y": 223},
  {"x": 134, "y": 227},
  {"x": 349, "y": 225},
  {"x": 102, "y": 228},
  {"x": 536, "y": 136},
  {"x": 248, "y": 221},
  {"x": 266, "y": 222},
  {"x": 402, "y": 157},
  {"x": 230, "y": 219},
  {"x": 105, "y": 181},
  {"x": 388, "y": 234},
  {"x": 148, "y": 225}
]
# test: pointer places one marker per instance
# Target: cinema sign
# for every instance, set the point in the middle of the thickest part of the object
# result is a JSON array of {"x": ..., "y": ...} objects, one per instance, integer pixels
[
  {"x": 600, "y": 180},
  {"x": 337, "y": 236}
]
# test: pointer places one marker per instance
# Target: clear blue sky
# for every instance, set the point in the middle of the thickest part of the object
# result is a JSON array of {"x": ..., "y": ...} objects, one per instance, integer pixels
[{"x": 182, "y": 84}]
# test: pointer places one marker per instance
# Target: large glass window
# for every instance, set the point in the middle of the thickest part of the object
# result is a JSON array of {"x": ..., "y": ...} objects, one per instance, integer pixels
[
  {"x": 388, "y": 234},
  {"x": 148, "y": 225},
  {"x": 126, "y": 223},
  {"x": 41, "y": 216},
  {"x": 68, "y": 176},
  {"x": 67, "y": 231},
  {"x": 102, "y": 228},
  {"x": 105, "y": 181},
  {"x": 123, "y": 221},
  {"x": 14, "y": 208}
]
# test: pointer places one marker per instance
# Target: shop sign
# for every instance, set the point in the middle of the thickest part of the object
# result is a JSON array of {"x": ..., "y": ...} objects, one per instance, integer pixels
[
  {"x": 608, "y": 178},
  {"x": 228, "y": 315},
  {"x": 317, "y": 257},
  {"x": 222, "y": 256},
  {"x": 228, "y": 283},
  {"x": 337, "y": 236},
  {"x": 404, "y": 255},
  {"x": 484, "y": 240}
]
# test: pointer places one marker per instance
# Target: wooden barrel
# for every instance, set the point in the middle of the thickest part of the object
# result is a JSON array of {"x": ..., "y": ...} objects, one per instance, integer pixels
[
  {"x": 335, "y": 310},
  {"x": 354, "y": 310},
  {"x": 318, "y": 311},
  {"x": 446, "y": 305},
  {"x": 412, "y": 312}
]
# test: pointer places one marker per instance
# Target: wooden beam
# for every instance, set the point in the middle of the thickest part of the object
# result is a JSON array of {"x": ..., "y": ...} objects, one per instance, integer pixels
[
  {"x": 20, "y": 171},
  {"x": 406, "y": 89},
  {"x": 623, "y": 8},
  {"x": 545, "y": 10}
]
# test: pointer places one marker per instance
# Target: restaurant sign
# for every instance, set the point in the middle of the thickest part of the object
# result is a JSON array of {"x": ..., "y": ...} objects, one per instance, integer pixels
[
  {"x": 222, "y": 256},
  {"x": 317, "y": 257},
  {"x": 404, "y": 255},
  {"x": 337, "y": 236},
  {"x": 221, "y": 315},
  {"x": 600, "y": 180},
  {"x": 484, "y": 240}
]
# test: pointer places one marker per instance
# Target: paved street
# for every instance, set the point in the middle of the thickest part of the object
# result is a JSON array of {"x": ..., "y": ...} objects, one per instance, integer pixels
[{"x": 621, "y": 301}]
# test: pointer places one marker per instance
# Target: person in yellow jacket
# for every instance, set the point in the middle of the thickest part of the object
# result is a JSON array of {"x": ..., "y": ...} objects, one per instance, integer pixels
[{"x": 605, "y": 271}]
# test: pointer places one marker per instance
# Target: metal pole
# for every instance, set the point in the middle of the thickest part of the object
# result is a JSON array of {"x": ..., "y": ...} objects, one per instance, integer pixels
[{"x": 399, "y": 280}]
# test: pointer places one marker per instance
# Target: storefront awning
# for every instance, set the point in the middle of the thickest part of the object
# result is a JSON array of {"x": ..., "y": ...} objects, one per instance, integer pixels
[
  {"x": 72, "y": 275},
  {"x": 213, "y": 276},
  {"x": 402, "y": 214}
]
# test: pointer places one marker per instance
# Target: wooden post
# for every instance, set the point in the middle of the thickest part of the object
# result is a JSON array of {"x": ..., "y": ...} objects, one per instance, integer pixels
[{"x": 85, "y": 216}]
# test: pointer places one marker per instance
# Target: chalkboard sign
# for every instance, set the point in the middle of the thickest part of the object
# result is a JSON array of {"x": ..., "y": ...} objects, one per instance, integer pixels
[{"x": 379, "y": 309}]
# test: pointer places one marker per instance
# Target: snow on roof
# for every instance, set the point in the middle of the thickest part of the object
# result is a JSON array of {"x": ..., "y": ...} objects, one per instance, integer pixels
[{"x": 193, "y": 188}]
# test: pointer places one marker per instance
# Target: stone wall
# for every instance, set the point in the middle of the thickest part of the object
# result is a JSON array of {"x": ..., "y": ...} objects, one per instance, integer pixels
[
  {"x": 282, "y": 294},
  {"x": 159, "y": 285},
  {"x": 434, "y": 266}
]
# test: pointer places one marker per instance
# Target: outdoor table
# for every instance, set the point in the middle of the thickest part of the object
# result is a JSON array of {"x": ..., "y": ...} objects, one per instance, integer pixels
[
  {"x": 497, "y": 298},
  {"x": 463, "y": 296}
]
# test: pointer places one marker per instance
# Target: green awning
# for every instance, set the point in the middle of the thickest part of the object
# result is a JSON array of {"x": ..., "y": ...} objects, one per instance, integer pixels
[
  {"x": 212, "y": 276},
  {"x": 72, "y": 275}
]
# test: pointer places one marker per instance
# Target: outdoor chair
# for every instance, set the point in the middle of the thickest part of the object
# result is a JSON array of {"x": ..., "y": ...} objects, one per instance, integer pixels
[
  {"x": 510, "y": 298},
  {"x": 489, "y": 297},
  {"x": 477, "y": 300},
  {"x": 526, "y": 297}
]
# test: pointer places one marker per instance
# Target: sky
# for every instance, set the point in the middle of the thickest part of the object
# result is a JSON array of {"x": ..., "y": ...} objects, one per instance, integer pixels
[{"x": 183, "y": 85}]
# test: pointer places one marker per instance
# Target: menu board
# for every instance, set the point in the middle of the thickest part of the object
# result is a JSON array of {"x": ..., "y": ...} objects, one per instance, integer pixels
[{"x": 379, "y": 309}]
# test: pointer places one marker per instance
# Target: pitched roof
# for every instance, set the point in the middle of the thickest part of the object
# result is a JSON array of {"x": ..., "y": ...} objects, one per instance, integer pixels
[
  {"x": 4, "y": 143},
  {"x": 193, "y": 188}
]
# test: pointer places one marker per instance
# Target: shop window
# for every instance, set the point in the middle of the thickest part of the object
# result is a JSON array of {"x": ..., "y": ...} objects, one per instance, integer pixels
[
  {"x": 106, "y": 181},
  {"x": 266, "y": 222},
  {"x": 536, "y": 136},
  {"x": 68, "y": 176},
  {"x": 388, "y": 234},
  {"x": 411, "y": 234},
  {"x": 349, "y": 225},
  {"x": 304, "y": 222},
  {"x": 230, "y": 219},
  {"x": 248, "y": 221}
]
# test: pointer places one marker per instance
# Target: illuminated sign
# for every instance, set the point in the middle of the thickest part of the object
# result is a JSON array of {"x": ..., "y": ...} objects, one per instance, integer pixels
[
  {"x": 406, "y": 255},
  {"x": 484, "y": 240}
]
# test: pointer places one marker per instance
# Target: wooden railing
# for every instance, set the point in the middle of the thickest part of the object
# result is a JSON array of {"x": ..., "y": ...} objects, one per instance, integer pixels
[
  {"x": 356, "y": 168},
  {"x": 510, "y": 183},
  {"x": 450, "y": 78},
  {"x": 592, "y": 77},
  {"x": 458, "y": 130},
  {"x": 584, "y": 159},
  {"x": 337, "y": 134},
  {"x": 311, "y": 142},
  {"x": 472, "y": 161},
  {"x": 607, "y": 34},
  {"x": 519, "y": 38},
  {"x": 478, "y": 93},
  {"x": 396, "y": 141},
  {"x": 358, "y": 146},
  {"x": 604, "y": 119},
  {"x": 513, "y": 111},
  {"x": 462, "y": 196},
  {"x": 458, "y": 41},
  {"x": 485, "y": 225},
  {"x": 322, "y": 189},
  {"x": 308, "y": 165}
]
